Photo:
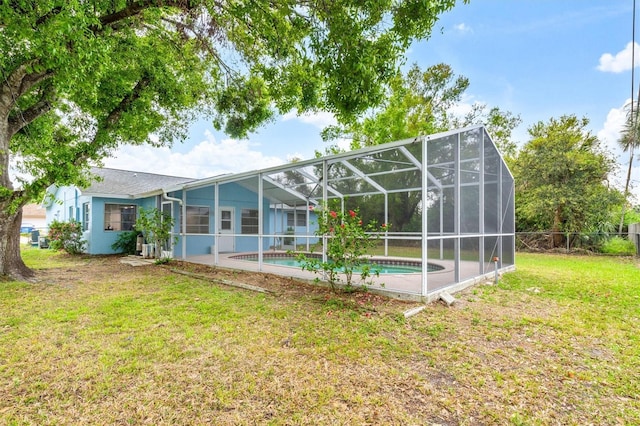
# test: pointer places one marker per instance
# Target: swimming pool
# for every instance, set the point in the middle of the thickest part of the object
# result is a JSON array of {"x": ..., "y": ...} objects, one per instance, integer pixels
[{"x": 382, "y": 265}]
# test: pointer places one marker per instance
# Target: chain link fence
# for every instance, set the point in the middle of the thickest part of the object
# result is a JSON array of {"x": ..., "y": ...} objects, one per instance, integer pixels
[{"x": 571, "y": 242}]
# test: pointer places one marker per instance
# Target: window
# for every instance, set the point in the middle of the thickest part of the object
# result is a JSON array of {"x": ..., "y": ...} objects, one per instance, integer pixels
[
  {"x": 298, "y": 218},
  {"x": 197, "y": 220},
  {"x": 119, "y": 217},
  {"x": 85, "y": 217},
  {"x": 249, "y": 221},
  {"x": 225, "y": 220}
]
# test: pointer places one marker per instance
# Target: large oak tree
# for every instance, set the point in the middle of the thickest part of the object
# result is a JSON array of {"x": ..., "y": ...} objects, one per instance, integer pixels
[{"x": 81, "y": 77}]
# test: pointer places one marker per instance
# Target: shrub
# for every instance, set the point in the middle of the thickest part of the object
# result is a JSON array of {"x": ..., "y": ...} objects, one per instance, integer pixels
[
  {"x": 156, "y": 227},
  {"x": 618, "y": 245},
  {"x": 66, "y": 236},
  {"x": 126, "y": 242},
  {"x": 348, "y": 241}
]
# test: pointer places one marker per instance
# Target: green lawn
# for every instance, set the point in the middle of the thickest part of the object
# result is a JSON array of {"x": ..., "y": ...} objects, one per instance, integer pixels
[{"x": 97, "y": 342}]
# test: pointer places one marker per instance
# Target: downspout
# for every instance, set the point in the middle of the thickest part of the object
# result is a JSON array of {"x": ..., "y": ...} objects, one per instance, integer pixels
[{"x": 168, "y": 198}]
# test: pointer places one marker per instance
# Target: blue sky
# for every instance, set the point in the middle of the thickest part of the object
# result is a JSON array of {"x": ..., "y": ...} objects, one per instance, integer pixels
[{"x": 536, "y": 58}]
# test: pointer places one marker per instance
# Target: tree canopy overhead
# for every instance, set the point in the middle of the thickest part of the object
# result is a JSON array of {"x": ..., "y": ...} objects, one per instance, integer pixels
[{"x": 79, "y": 78}]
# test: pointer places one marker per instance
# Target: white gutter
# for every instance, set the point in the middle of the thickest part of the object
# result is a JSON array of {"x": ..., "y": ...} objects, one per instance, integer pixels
[
  {"x": 182, "y": 213},
  {"x": 166, "y": 197}
]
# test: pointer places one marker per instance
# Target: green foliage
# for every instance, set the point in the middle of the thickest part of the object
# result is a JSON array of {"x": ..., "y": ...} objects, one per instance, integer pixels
[
  {"x": 348, "y": 241},
  {"x": 156, "y": 228},
  {"x": 66, "y": 236},
  {"x": 126, "y": 242},
  {"x": 618, "y": 245},
  {"x": 420, "y": 103},
  {"x": 79, "y": 78},
  {"x": 631, "y": 215},
  {"x": 561, "y": 179},
  {"x": 122, "y": 71}
]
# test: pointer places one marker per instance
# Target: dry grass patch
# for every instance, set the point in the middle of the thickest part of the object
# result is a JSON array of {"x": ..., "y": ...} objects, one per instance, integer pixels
[{"x": 98, "y": 342}]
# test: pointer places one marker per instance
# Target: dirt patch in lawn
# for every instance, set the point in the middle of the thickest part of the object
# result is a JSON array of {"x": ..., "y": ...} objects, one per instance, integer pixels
[{"x": 287, "y": 286}]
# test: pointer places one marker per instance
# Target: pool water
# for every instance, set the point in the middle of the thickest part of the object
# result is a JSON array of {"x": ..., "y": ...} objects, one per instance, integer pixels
[{"x": 382, "y": 268}]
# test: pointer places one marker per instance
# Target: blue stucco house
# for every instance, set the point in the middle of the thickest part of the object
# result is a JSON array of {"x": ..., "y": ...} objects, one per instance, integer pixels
[{"x": 111, "y": 204}]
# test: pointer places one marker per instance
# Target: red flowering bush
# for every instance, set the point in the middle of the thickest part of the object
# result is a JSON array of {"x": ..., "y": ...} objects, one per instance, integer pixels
[
  {"x": 347, "y": 242},
  {"x": 66, "y": 236}
]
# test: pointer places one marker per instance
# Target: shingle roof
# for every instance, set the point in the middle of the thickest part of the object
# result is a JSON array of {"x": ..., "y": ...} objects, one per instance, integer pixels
[{"x": 127, "y": 183}]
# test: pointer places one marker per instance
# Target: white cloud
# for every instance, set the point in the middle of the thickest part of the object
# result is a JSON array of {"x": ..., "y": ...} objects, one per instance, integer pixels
[
  {"x": 465, "y": 106},
  {"x": 621, "y": 61},
  {"x": 610, "y": 132},
  {"x": 320, "y": 119},
  {"x": 208, "y": 158},
  {"x": 609, "y": 135},
  {"x": 463, "y": 28}
]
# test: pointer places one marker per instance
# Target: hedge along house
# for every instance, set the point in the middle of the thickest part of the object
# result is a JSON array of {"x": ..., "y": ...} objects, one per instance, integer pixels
[{"x": 449, "y": 199}]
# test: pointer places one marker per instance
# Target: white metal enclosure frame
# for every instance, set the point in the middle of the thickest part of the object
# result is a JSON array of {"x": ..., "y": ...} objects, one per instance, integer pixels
[{"x": 451, "y": 194}]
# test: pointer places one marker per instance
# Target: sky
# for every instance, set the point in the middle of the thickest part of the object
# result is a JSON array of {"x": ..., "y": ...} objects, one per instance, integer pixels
[{"x": 535, "y": 58}]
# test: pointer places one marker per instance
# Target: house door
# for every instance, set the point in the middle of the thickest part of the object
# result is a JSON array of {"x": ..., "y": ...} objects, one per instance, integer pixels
[{"x": 226, "y": 241}]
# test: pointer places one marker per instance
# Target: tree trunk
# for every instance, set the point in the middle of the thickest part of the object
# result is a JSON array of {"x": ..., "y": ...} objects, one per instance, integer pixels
[
  {"x": 11, "y": 263},
  {"x": 626, "y": 190},
  {"x": 557, "y": 237}
]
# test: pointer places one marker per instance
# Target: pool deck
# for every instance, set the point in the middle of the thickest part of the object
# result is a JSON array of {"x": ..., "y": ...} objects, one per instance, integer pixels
[{"x": 401, "y": 285}]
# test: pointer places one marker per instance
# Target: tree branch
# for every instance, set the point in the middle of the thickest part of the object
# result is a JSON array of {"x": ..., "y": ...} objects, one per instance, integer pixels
[
  {"x": 44, "y": 18},
  {"x": 134, "y": 8},
  {"x": 23, "y": 118},
  {"x": 203, "y": 42},
  {"x": 86, "y": 151},
  {"x": 127, "y": 101},
  {"x": 20, "y": 81}
]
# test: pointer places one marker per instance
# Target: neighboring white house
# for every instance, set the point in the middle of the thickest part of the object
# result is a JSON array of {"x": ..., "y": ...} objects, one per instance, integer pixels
[{"x": 34, "y": 217}]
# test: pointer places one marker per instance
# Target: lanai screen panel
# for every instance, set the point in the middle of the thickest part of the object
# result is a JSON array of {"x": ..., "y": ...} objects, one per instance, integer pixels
[
  {"x": 508, "y": 218},
  {"x": 462, "y": 189},
  {"x": 470, "y": 158}
]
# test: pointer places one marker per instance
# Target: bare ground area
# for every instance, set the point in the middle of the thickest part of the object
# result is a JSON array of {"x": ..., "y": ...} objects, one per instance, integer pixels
[{"x": 300, "y": 354}]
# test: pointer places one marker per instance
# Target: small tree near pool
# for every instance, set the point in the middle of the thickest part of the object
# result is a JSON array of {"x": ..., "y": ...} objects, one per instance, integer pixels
[{"x": 348, "y": 241}]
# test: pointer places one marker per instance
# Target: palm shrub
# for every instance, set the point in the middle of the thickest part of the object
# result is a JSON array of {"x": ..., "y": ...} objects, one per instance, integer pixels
[{"x": 156, "y": 228}]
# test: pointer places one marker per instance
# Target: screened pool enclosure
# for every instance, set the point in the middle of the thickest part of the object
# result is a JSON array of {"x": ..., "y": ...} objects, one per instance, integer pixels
[{"x": 449, "y": 200}]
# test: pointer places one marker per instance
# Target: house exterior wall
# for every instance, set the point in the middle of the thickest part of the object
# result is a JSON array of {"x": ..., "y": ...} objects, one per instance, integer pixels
[
  {"x": 196, "y": 244},
  {"x": 232, "y": 195},
  {"x": 68, "y": 204},
  {"x": 99, "y": 239},
  {"x": 279, "y": 222},
  {"x": 65, "y": 205}
]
